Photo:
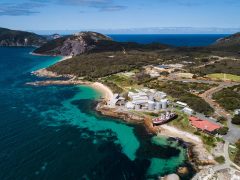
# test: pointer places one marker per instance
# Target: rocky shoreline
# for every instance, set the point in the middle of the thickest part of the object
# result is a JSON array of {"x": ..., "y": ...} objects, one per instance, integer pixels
[{"x": 197, "y": 154}]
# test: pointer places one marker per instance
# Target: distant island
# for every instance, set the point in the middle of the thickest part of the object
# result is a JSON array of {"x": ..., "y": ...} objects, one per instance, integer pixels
[{"x": 20, "y": 38}]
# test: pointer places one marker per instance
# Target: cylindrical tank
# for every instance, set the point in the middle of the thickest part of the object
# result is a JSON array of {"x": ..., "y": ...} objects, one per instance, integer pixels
[
  {"x": 151, "y": 97},
  {"x": 151, "y": 105},
  {"x": 137, "y": 107},
  {"x": 164, "y": 103},
  {"x": 158, "y": 106}
]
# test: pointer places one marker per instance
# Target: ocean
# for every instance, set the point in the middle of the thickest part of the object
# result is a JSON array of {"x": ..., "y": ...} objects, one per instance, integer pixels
[
  {"x": 188, "y": 40},
  {"x": 53, "y": 132}
]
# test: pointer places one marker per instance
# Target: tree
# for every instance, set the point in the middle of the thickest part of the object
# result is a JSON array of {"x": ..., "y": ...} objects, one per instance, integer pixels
[
  {"x": 221, "y": 119},
  {"x": 236, "y": 119},
  {"x": 223, "y": 130}
]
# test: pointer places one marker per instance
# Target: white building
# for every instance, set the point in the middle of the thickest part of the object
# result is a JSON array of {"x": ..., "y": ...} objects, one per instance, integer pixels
[
  {"x": 116, "y": 99},
  {"x": 129, "y": 105},
  {"x": 182, "y": 104},
  {"x": 237, "y": 112},
  {"x": 188, "y": 110},
  {"x": 147, "y": 99}
]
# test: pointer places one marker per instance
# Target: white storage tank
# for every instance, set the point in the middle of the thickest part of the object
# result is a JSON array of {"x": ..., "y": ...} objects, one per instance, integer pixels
[
  {"x": 151, "y": 97},
  {"x": 137, "y": 106},
  {"x": 151, "y": 105},
  {"x": 164, "y": 103},
  {"x": 158, "y": 106}
]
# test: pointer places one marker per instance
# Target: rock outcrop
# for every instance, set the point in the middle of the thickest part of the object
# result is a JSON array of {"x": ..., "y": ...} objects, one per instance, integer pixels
[{"x": 73, "y": 45}]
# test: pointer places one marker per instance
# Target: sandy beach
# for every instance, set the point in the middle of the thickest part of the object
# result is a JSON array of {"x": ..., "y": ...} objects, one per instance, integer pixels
[{"x": 106, "y": 91}]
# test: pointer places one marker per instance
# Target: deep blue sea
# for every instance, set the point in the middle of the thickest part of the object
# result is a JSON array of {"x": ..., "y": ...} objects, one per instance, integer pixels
[
  {"x": 188, "y": 40},
  {"x": 53, "y": 132}
]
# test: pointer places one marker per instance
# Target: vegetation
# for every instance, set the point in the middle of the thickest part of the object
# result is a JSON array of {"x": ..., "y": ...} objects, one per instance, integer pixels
[
  {"x": 180, "y": 91},
  {"x": 223, "y": 130},
  {"x": 229, "y": 98},
  {"x": 120, "y": 80},
  {"x": 222, "y": 76},
  {"x": 220, "y": 159},
  {"x": 230, "y": 43},
  {"x": 115, "y": 88},
  {"x": 222, "y": 120},
  {"x": 236, "y": 120},
  {"x": 209, "y": 140},
  {"x": 227, "y": 66},
  {"x": 51, "y": 45},
  {"x": 13, "y": 38},
  {"x": 97, "y": 65},
  {"x": 237, "y": 157},
  {"x": 182, "y": 123}
]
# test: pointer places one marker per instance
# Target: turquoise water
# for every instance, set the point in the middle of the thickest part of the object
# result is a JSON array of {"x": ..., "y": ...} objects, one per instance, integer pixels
[{"x": 53, "y": 132}]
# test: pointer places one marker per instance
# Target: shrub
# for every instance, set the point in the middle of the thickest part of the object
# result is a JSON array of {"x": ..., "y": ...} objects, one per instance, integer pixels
[
  {"x": 223, "y": 130},
  {"x": 221, "y": 119},
  {"x": 236, "y": 119},
  {"x": 220, "y": 159}
]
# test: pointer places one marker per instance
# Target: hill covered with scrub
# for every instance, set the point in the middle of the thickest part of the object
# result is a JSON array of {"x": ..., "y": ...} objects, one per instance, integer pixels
[
  {"x": 89, "y": 42},
  {"x": 230, "y": 43},
  {"x": 20, "y": 38}
]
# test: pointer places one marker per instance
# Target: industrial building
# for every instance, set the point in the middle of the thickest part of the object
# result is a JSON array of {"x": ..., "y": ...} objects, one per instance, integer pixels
[
  {"x": 116, "y": 100},
  {"x": 237, "y": 111},
  {"x": 147, "y": 99},
  {"x": 188, "y": 110},
  {"x": 181, "y": 104}
]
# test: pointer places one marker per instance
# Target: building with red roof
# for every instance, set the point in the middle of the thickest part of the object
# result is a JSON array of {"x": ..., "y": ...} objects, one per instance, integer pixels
[{"x": 204, "y": 125}]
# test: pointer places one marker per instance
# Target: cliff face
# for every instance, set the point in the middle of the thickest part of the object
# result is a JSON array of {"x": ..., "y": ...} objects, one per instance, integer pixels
[
  {"x": 73, "y": 45},
  {"x": 20, "y": 38}
]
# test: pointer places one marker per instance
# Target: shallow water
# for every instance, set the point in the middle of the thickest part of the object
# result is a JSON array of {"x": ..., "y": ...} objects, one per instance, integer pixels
[{"x": 53, "y": 132}]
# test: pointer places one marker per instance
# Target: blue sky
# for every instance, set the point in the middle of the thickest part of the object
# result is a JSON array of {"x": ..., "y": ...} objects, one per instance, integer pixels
[{"x": 118, "y": 14}]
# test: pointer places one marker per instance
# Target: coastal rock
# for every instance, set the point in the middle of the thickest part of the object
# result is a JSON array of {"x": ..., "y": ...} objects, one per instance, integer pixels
[
  {"x": 182, "y": 170},
  {"x": 126, "y": 116},
  {"x": 20, "y": 38},
  {"x": 171, "y": 177}
]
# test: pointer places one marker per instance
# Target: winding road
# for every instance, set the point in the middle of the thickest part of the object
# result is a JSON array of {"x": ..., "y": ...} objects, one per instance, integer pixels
[{"x": 234, "y": 132}]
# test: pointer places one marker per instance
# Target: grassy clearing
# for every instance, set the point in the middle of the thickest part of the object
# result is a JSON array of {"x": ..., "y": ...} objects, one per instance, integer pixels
[
  {"x": 120, "y": 81},
  {"x": 222, "y": 76},
  {"x": 182, "y": 122},
  {"x": 220, "y": 159}
]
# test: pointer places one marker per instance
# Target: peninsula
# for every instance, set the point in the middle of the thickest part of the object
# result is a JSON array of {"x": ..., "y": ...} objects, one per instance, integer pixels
[{"x": 173, "y": 91}]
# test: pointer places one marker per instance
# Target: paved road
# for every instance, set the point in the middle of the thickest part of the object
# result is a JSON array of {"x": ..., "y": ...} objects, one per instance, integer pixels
[
  {"x": 175, "y": 78},
  {"x": 227, "y": 165},
  {"x": 233, "y": 134}
]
